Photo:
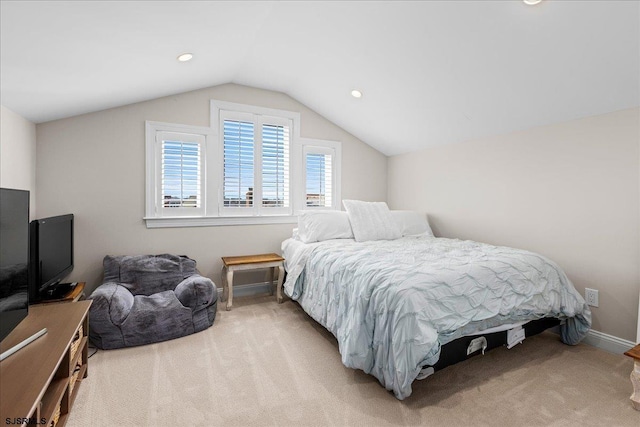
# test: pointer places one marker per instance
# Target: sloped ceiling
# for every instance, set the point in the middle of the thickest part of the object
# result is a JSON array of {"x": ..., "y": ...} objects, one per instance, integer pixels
[{"x": 433, "y": 72}]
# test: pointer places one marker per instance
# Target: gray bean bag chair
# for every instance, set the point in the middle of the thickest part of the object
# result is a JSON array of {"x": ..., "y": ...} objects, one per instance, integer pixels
[{"x": 150, "y": 298}]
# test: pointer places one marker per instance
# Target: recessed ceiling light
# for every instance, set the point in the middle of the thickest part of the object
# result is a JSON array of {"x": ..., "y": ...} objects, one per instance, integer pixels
[
  {"x": 531, "y": 2},
  {"x": 185, "y": 57},
  {"x": 356, "y": 93}
]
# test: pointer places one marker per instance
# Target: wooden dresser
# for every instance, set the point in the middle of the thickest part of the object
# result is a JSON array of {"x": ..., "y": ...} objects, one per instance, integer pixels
[{"x": 40, "y": 382}]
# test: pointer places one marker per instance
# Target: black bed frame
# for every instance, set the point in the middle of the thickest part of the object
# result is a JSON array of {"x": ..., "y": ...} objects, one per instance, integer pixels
[{"x": 456, "y": 350}]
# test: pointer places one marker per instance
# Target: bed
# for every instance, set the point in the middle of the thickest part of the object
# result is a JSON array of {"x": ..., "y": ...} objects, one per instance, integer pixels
[{"x": 395, "y": 304}]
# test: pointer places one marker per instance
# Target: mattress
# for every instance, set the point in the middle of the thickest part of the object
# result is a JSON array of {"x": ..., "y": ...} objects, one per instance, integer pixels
[{"x": 393, "y": 304}]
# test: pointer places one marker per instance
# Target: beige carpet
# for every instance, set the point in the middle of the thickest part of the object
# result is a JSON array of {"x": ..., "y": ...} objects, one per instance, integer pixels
[{"x": 269, "y": 364}]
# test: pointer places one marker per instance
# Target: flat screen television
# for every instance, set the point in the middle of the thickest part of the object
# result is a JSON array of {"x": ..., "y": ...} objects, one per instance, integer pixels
[
  {"x": 51, "y": 255},
  {"x": 14, "y": 258}
]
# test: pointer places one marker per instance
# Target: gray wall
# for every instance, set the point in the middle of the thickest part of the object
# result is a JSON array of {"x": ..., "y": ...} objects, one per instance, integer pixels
[
  {"x": 18, "y": 154},
  {"x": 93, "y": 166},
  {"x": 568, "y": 191}
]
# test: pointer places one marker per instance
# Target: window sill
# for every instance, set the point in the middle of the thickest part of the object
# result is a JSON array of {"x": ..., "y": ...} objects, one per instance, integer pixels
[{"x": 215, "y": 221}]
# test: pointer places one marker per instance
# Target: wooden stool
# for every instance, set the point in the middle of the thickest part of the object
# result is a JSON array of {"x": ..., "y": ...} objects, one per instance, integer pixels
[
  {"x": 635, "y": 376},
  {"x": 250, "y": 262}
]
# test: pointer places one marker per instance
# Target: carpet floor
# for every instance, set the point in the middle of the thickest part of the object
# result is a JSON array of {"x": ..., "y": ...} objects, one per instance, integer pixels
[{"x": 268, "y": 364}]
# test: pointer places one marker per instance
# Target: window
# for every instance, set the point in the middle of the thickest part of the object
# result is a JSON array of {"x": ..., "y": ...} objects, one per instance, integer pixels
[
  {"x": 256, "y": 162},
  {"x": 321, "y": 174},
  {"x": 318, "y": 169},
  {"x": 175, "y": 170},
  {"x": 275, "y": 166},
  {"x": 181, "y": 173},
  {"x": 257, "y": 148},
  {"x": 249, "y": 167},
  {"x": 238, "y": 164}
]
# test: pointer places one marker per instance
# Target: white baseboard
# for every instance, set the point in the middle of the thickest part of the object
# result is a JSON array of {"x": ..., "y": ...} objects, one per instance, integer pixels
[
  {"x": 602, "y": 341},
  {"x": 595, "y": 338},
  {"x": 607, "y": 342}
]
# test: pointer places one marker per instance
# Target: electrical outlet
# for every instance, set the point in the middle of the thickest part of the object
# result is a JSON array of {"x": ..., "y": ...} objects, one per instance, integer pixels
[{"x": 591, "y": 296}]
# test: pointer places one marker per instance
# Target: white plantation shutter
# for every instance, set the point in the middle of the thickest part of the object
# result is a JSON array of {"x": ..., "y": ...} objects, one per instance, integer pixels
[
  {"x": 179, "y": 171},
  {"x": 181, "y": 174},
  {"x": 255, "y": 178},
  {"x": 275, "y": 166},
  {"x": 238, "y": 174},
  {"x": 321, "y": 165},
  {"x": 249, "y": 167},
  {"x": 318, "y": 182}
]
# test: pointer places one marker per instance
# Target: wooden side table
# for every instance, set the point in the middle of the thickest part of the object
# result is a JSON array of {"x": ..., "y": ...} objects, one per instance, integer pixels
[
  {"x": 250, "y": 262},
  {"x": 635, "y": 376}
]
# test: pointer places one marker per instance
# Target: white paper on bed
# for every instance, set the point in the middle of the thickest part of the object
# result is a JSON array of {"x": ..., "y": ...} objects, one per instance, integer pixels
[{"x": 392, "y": 303}]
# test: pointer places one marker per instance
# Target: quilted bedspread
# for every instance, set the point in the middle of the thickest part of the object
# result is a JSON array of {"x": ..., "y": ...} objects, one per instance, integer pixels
[{"x": 392, "y": 304}]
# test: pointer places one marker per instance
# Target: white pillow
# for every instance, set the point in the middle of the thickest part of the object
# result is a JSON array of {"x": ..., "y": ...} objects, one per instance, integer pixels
[
  {"x": 412, "y": 223},
  {"x": 317, "y": 226},
  {"x": 371, "y": 221}
]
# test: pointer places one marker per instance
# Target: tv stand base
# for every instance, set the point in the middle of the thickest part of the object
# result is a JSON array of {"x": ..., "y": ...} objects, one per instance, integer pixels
[{"x": 48, "y": 373}]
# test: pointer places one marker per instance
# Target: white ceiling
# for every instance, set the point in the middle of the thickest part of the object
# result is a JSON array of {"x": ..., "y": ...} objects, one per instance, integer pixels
[{"x": 432, "y": 72}]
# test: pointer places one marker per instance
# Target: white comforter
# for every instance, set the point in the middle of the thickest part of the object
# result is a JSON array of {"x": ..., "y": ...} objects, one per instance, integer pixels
[{"x": 392, "y": 304}]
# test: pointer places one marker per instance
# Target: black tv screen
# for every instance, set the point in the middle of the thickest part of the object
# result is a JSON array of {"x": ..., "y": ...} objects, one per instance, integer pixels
[
  {"x": 14, "y": 258},
  {"x": 51, "y": 252}
]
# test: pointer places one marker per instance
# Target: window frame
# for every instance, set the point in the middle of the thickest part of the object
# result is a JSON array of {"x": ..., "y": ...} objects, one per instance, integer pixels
[
  {"x": 189, "y": 138},
  {"x": 258, "y": 120},
  {"x": 213, "y": 170},
  {"x": 153, "y": 136},
  {"x": 319, "y": 146}
]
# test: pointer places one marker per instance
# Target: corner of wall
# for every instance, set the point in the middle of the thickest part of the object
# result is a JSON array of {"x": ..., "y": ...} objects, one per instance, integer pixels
[{"x": 18, "y": 154}]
